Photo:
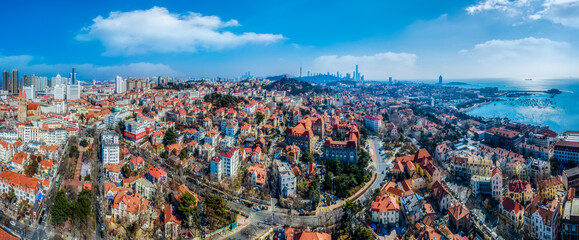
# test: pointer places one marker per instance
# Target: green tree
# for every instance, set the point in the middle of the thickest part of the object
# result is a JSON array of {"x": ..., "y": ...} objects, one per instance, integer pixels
[
  {"x": 260, "y": 117},
  {"x": 126, "y": 171},
  {"x": 60, "y": 208},
  {"x": 170, "y": 137},
  {"x": 121, "y": 126},
  {"x": 189, "y": 209},
  {"x": 163, "y": 155},
  {"x": 11, "y": 195},
  {"x": 361, "y": 233},
  {"x": 84, "y": 143},
  {"x": 73, "y": 153},
  {"x": 82, "y": 207},
  {"x": 184, "y": 154},
  {"x": 31, "y": 168}
]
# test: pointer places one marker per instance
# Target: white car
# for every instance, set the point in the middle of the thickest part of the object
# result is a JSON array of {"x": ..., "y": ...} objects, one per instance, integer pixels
[{"x": 12, "y": 223}]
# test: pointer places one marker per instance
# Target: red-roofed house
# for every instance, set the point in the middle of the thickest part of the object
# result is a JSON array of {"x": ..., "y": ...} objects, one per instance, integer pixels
[
  {"x": 156, "y": 174},
  {"x": 512, "y": 211},
  {"x": 25, "y": 188},
  {"x": 137, "y": 163},
  {"x": 459, "y": 217},
  {"x": 258, "y": 175},
  {"x": 385, "y": 210}
]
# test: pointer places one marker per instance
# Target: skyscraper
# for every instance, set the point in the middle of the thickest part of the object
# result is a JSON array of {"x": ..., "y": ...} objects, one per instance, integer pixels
[
  {"x": 357, "y": 74},
  {"x": 5, "y": 81},
  {"x": 15, "y": 84},
  {"x": 73, "y": 77},
  {"x": 440, "y": 79},
  {"x": 120, "y": 84},
  {"x": 390, "y": 80}
]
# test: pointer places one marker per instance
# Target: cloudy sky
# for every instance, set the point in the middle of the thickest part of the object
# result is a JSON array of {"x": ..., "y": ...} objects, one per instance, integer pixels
[{"x": 403, "y": 39}]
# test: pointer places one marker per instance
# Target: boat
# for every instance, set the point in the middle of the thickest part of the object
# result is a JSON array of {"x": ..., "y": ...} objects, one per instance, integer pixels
[{"x": 528, "y": 79}]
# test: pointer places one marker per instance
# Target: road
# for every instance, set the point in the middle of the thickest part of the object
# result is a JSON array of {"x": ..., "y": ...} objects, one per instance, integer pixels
[{"x": 261, "y": 220}]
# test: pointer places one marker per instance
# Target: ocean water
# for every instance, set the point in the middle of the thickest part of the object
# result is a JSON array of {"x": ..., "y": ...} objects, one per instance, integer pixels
[{"x": 560, "y": 113}]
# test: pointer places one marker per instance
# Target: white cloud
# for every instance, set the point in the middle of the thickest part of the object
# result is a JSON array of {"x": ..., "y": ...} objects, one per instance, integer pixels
[
  {"x": 508, "y": 6},
  {"x": 564, "y": 12},
  {"x": 158, "y": 30},
  {"x": 534, "y": 57},
  {"x": 374, "y": 67},
  {"x": 86, "y": 72}
]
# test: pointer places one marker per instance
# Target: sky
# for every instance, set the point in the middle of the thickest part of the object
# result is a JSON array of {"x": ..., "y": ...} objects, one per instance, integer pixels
[{"x": 413, "y": 39}]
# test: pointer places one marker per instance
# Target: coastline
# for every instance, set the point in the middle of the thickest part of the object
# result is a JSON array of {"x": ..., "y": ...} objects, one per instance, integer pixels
[{"x": 475, "y": 106}]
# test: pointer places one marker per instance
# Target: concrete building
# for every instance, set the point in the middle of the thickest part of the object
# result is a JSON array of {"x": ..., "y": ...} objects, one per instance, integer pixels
[
  {"x": 287, "y": 180},
  {"x": 566, "y": 152},
  {"x": 110, "y": 151},
  {"x": 570, "y": 220},
  {"x": 385, "y": 210}
]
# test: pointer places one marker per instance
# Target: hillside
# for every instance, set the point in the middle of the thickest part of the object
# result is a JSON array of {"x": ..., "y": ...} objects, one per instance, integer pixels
[{"x": 293, "y": 86}]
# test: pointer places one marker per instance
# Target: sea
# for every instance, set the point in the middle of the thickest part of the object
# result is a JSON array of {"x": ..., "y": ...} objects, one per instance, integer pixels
[{"x": 560, "y": 113}]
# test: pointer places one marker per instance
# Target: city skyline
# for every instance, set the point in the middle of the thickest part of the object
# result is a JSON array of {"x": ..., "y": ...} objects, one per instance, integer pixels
[{"x": 456, "y": 39}]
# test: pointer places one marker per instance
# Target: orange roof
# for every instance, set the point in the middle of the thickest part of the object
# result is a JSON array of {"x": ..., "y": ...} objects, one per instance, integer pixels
[
  {"x": 24, "y": 182},
  {"x": 312, "y": 236},
  {"x": 7, "y": 236},
  {"x": 20, "y": 158},
  {"x": 384, "y": 204}
]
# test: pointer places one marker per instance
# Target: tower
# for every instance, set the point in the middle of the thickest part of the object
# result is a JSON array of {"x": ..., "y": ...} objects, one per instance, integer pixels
[
  {"x": 390, "y": 80},
  {"x": 440, "y": 79},
  {"x": 22, "y": 106},
  {"x": 300, "y": 70},
  {"x": 14, "y": 86},
  {"x": 6, "y": 81},
  {"x": 73, "y": 77},
  {"x": 357, "y": 74}
]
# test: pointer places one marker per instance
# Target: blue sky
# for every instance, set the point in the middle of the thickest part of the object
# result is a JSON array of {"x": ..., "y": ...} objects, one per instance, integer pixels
[{"x": 402, "y": 39}]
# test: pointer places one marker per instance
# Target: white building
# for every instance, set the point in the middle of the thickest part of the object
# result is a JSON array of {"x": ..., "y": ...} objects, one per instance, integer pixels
[
  {"x": 385, "y": 211},
  {"x": 373, "y": 123},
  {"x": 110, "y": 148},
  {"x": 497, "y": 184},
  {"x": 287, "y": 180},
  {"x": 120, "y": 85},
  {"x": 59, "y": 92},
  {"x": 29, "y": 92},
  {"x": 72, "y": 92},
  {"x": 230, "y": 162},
  {"x": 25, "y": 188}
]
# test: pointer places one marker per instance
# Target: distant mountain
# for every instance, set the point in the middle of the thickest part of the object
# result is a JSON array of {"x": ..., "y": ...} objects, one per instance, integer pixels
[{"x": 293, "y": 86}]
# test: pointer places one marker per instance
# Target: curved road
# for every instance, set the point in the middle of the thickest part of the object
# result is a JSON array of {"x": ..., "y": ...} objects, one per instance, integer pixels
[{"x": 264, "y": 219}]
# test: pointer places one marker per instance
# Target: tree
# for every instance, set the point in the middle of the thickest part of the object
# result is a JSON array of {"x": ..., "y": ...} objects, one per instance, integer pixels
[
  {"x": 260, "y": 117},
  {"x": 189, "y": 209},
  {"x": 169, "y": 137},
  {"x": 184, "y": 154},
  {"x": 126, "y": 170},
  {"x": 60, "y": 208},
  {"x": 73, "y": 153},
  {"x": 84, "y": 143},
  {"x": 121, "y": 126},
  {"x": 11, "y": 195},
  {"x": 31, "y": 168},
  {"x": 361, "y": 233},
  {"x": 82, "y": 207}
]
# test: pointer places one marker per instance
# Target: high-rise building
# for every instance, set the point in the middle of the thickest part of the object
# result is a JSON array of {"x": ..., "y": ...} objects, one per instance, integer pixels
[
  {"x": 6, "y": 81},
  {"x": 120, "y": 85},
  {"x": 357, "y": 74},
  {"x": 15, "y": 84},
  {"x": 73, "y": 77},
  {"x": 390, "y": 80},
  {"x": 59, "y": 92},
  {"x": 72, "y": 92},
  {"x": 440, "y": 79}
]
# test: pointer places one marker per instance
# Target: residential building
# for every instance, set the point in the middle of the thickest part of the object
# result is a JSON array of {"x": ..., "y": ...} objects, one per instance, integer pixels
[
  {"x": 570, "y": 177},
  {"x": 230, "y": 162},
  {"x": 110, "y": 150},
  {"x": 570, "y": 220},
  {"x": 548, "y": 188},
  {"x": 257, "y": 174},
  {"x": 385, "y": 210},
  {"x": 25, "y": 188},
  {"x": 507, "y": 139},
  {"x": 566, "y": 152},
  {"x": 287, "y": 180},
  {"x": 512, "y": 211},
  {"x": 497, "y": 184},
  {"x": 459, "y": 217},
  {"x": 520, "y": 191},
  {"x": 373, "y": 123}
]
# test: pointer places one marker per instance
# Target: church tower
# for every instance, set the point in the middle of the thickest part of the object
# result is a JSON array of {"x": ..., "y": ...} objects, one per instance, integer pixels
[{"x": 22, "y": 106}]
